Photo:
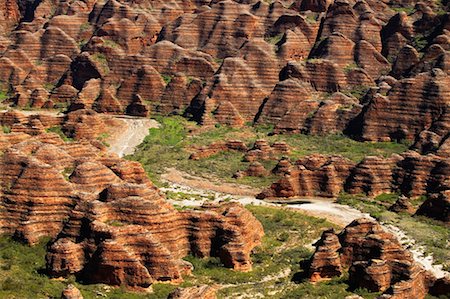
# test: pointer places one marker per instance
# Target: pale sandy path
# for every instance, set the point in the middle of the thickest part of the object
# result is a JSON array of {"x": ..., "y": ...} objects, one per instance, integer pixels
[
  {"x": 125, "y": 142},
  {"x": 35, "y": 112}
]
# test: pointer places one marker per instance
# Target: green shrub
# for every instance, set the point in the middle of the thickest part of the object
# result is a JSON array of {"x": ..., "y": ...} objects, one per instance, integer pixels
[
  {"x": 6, "y": 129},
  {"x": 58, "y": 130},
  {"x": 350, "y": 67},
  {"x": 274, "y": 39},
  {"x": 167, "y": 78},
  {"x": 419, "y": 42},
  {"x": 3, "y": 95},
  {"x": 102, "y": 61}
]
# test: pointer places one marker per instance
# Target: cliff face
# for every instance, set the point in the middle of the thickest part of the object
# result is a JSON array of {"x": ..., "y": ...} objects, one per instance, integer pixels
[
  {"x": 108, "y": 222},
  {"x": 233, "y": 62}
]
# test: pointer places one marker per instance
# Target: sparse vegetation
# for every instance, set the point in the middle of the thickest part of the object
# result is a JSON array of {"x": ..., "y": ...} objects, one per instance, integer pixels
[
  {"x": 167, "y": 78},
  {"x": 6, "y": 129},
  {"x": 357, "y": 91},
  {"x": 275, "y": 262},
  {"x": 115, "y": 223},
  {"x": 67, "y": 172},
  {"x": 180, "y": 196},
  {"x": 408, "y": 9},
  {"x": 102, "y": 138},
  {"x": 311, "y": 19},
  {"x": 3, "y": 92},
  {"x": 111, "y": 43},
  {"x": 102, "y": 60},
  {"x": 419, "y": 42},
  {"x": 274, "y": 39},
  {"x": 350, "y": 67},
  {"x": 85, "y": 27},
  {"x": 219, "y": 61},
  {"x": 58, "y": 130},
  {"x": 82, "y": 43}
]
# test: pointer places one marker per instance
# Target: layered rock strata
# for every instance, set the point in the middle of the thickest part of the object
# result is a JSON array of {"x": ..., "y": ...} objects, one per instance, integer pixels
[{"x": 410, "y": 174}]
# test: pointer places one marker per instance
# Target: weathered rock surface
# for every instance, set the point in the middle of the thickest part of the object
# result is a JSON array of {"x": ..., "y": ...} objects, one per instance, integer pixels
[
  {"x": 231, "y": 62},
  {"x": 262, "y": 150},
  {"x": 402, "y": 205},
  {"x": 315, "y": 175},
  {"x": 410, "y": 174},
  {"x": 374, "y": 258},
  {"x": 203, "y": 292},
  {"x": 71, "y": 292},
  {"x": 437, "y": 206}
]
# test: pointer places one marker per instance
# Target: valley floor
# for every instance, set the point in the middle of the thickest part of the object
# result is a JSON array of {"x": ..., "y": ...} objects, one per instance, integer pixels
[{"x": 291, "y": 227}]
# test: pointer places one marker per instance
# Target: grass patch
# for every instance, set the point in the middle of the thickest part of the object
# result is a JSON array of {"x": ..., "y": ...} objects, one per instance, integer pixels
[
  {"x": 419, "y": 42},
  {"x": 350, "y": 67},
  {"x": 167, "y": 78},
  {"x": 408, "y": 9},
  {"x": 111, "y": 43},
  {"x": 4, "y": 94},
  {"x": 58, "y": 130},
  {"x": 218, "y": 61},
  {"x": 180, "y": 196},
  {"x": 102, "y": 138},
  {"x": 432, "y": 234},
  {"x": 102, "y": 61},
  {"x": 49, "y": 86},
  {"x": 85, "y": 27},
  {"x": 67, "y": 172},
  {"x": 115, "y": 223},
  {"x": 274, "y": 39},
  {"x": 357, "y": 91}
]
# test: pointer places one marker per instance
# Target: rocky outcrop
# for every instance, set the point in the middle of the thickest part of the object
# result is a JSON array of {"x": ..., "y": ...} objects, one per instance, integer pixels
[
  {"x": 132, "y": 248},
  {"x": 255, "y": 169},
  {"x": 203, "y": 292},
  {"x": 314, "y": 175},
  {"x": 71, "y": 292},
  {"x": 411, "y": 106},
  {"x": 374, "y": 258},
  {"x": 402, "y": 205},
  {"x": 410, "y": 174},
  {"x": 372, "y": 176},
  {"x": 326, "y": 262},
  {"x": 437, "y": 206},
  {"x": 261, "y": 150},
  {"x": 215, "y": 148},
  {"x": 79, "y": 124}
]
